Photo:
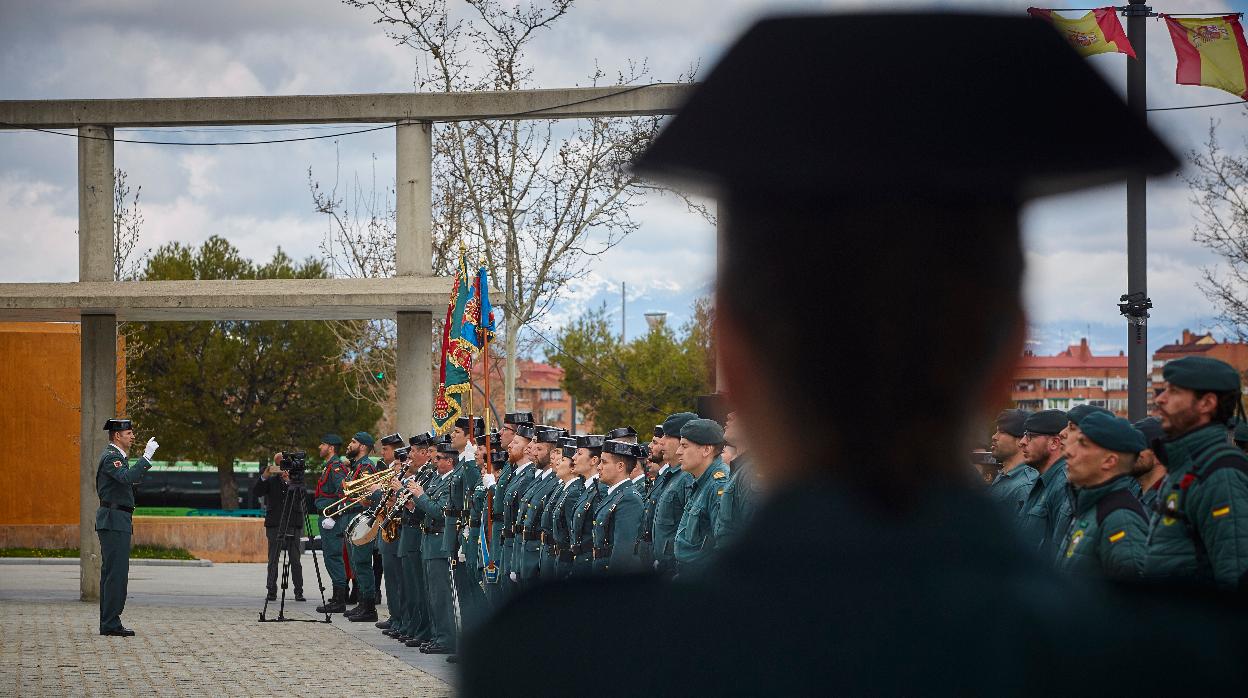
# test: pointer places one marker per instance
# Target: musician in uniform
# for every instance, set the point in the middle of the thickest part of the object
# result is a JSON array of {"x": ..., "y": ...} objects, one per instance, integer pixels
[
  {"x": 361, "y": 556},
  {"x": 391, "y": 568},
  {"x": 115, "y": 478},
  {"x": 416, "y": 627},
  {"x": 328, "y": 491},
  {"x": 431, "y": 500}
]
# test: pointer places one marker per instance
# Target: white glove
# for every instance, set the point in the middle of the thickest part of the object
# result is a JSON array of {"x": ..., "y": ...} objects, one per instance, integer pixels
[
  {"x": 461, "y": 556},
  {"x": 150, "y": 449},
  {"x": 513, "y": 576},
  {"x": 470, "y": 452},
  {"x": 327, "y": 524},
  {"x": 487, "y": 480}
]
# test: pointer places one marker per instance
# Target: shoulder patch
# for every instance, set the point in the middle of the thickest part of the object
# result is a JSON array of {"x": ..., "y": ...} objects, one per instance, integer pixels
[
  {"x": 1221, "y": 511},
  {"x": 720, "y": 493},
  {"x": 117, "y": 464},
  {"x": 1115, "y": 537},
  {"x": 719, "y": 475}
]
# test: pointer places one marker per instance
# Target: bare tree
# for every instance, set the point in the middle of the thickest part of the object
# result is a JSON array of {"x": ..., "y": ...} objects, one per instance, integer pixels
[
  {"x": 127, "y": 222},
  {"x": 1219, "y": 187},
  {"x": 535, "y": 199}
]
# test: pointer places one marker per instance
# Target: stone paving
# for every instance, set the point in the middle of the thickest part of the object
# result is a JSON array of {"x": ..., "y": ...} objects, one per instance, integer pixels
[{"x": 197, "y": 635}]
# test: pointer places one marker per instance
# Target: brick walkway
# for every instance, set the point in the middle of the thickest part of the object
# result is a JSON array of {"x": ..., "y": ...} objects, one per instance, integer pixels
[{"x": 53, "y": 648}]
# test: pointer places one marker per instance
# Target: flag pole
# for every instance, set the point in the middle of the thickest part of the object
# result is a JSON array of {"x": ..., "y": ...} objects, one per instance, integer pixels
[{"x": 1137, "y": 306}]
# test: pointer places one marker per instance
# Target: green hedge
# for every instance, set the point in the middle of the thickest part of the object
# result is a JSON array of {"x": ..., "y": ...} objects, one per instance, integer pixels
[{"x": 142, "y": 552}]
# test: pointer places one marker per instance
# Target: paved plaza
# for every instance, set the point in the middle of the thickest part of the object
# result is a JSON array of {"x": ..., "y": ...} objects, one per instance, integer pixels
[{"x": 198, "y": 634}]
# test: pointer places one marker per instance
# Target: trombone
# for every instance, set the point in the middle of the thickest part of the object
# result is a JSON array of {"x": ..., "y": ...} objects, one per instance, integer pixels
[{"x": 355, "y": 491}]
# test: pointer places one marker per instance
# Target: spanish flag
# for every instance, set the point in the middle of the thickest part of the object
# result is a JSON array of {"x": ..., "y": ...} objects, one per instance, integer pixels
[
  {"x": 1099, "y": 31},
  {"x": 1211, "y": 52}
]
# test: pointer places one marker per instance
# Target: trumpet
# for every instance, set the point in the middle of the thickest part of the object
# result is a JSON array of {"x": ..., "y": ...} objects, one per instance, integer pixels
[
  {"x": 342, "y": 505},
  {"x": 360, "y": 486}
]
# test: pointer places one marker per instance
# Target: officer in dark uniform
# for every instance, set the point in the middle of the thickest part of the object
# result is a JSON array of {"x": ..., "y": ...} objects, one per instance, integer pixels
[
  {"x": 392, "y": 569},
  {"x": 115, "y": 479},
  {"x": 564, "y": 511},
  {"x": 618, "y": 513},
  {"x": 701, "y": 444},
  {"x": 517, "y": 434},
  {"x": 1046, "y": 512},
  {"x": 662, "y": 476},
  {"x": 361, "y": 556},
  {"x": 417, "y": 628},
  {"x": 870, "y": 170},
  {"x": 676, "y": 490},
  {"x": 586, "y": 464},
  {"x": 1147, "y": 470},
  {"x": 532, "y": 504},
  {"x": 741, "y": 495}
]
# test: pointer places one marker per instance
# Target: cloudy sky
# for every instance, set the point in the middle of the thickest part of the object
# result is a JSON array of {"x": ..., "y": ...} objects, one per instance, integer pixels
[{"x": 257, "y": 196}]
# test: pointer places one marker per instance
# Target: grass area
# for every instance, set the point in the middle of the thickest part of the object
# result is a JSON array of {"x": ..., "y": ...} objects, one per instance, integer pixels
[{"x": 144, "y": 552}]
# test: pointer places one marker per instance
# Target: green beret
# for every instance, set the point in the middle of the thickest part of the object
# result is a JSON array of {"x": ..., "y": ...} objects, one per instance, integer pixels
[
  {"x": 1078, "y": 412},
  {"x": 1150, "y": 427},
  {"x": 1113, "y": 433},
  {"x": 673, "y": 424},
  {"x": 1202, "y": 374},
  {"x": 1011, "y": 422},
  {"x": 704, "y": 432},
  {"x": 332, "y": 439},
  {"x": 1241, "y": 431},
  {"x": 1046, "y": 422},
  {"x": 364, "y": 438}
]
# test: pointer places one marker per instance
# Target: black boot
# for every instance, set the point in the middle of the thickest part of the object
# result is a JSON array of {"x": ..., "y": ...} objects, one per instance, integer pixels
[
  {"x": 336, "y": 604},
  {"x": 365, "y": 612},
  {"x": 354, "y": 596}
]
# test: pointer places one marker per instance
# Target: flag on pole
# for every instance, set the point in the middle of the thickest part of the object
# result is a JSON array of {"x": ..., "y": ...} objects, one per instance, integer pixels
[
  {"x": 478, "y": 315},
  {"x": 1211, "y": 52},
  {"x": 1098, "y": 31},
  {"x": 456, "y": 365}
]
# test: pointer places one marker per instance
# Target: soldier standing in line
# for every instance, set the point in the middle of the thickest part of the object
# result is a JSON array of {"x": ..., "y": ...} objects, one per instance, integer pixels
[
  {"x": 671, "y": 503},
  {"x": 701, "y": 443}
]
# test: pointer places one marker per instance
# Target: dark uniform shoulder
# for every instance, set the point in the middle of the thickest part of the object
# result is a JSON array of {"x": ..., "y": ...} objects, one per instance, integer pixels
[{"x": 1115, "y": 501}]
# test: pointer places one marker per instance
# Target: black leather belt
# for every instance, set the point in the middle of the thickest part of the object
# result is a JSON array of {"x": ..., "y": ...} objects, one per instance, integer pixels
[
  {"x": 565, "y": 556},
  {"x": 118, "y": 507},
  {"x": 578, "y": 549},
  {"x": 431, "y": 530},
  {"x": 602, "y": 552},
  {"x": 532, "y": 535},
  {"x": 496, "y": 517},
  {"x": 474, "y": 522}
]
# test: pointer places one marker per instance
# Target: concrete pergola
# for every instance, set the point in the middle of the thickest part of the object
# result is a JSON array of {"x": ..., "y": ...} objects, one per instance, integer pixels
[{"x": 410, "y": 298}]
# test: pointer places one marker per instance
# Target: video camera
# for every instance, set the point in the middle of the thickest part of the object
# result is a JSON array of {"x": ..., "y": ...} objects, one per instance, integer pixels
[{"x": 295, "y": 463}]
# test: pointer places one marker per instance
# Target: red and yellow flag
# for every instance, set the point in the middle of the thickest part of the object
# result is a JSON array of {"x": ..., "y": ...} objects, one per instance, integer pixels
[
  {"x": 1099, "y": 31},
  {"x": 1211, "y": 52}
]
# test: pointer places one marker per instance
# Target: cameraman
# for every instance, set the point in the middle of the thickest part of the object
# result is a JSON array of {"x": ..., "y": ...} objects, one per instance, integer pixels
[{"x": 274, "y": 486}]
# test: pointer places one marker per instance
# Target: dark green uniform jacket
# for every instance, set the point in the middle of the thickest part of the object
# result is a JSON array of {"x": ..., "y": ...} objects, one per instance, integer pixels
[
  {"x": 1011, "y": 489},
  {"x": 645, "y": 531},
  {"x": 532, "y": 504},
  {"x": 615, "y": 521},
  {"x": 510, "y": 503},
  {"x": 329, "y": 487},
  {"x": 667, "y": 513},
  {"x": 737, "y": 506},
  {"x": 582, "y": 545},
  {"x": 695, "y": 536},
  {"x": 1107, "y": 534},
  {"x": 1045, "y": 514},
  {"x": 114, "y": 483},
  {"x": 1200, "y": 533},
  {"x": 431, "y": 504},
  {"x": 562, "y": 520}
]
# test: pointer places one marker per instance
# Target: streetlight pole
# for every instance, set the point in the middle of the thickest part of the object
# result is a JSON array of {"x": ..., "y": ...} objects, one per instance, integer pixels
[{"x": 1136, "y": 303}]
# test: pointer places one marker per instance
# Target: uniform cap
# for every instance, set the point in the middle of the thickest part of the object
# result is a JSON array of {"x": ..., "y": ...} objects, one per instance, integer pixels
[
  {"x": 548, "y": 435},
  {"x": 621, "y": 432},
  {"x": 1077, "y": 413},
  {"x": 364, "y": 438},
  {"x": 1150, "y": 427},
  {"x": 473, "y": 426},
  {"x": 1011, "y": 422},
  {"x": 621, "y": 448},
  {"x": 590, "y": 441},
  {"x": 331, "y": 439},
  {"x": 526, "y": 431},
  {"x": 704, "y": 432},
  {"x": 658, "y": 430},
  {"x": 748, "y": 125},
  {"x": 1201, "y": 373},
  {"x": 1112, "y": 433},
  {"x": 447, "y": 448},
  {"x": 391, "y": 440},
  {"x": 424, "y": 439},
  {"x": 496, "y": 440},
  {"x": 117, "y": 425},
  {"x": 518, "y": 418},
  {"x": 674, "y": 423},
  {"x": 1046, "y": 422}
]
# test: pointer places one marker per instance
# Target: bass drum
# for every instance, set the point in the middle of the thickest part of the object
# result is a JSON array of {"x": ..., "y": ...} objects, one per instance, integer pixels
[{"x": 360, "y": 531}]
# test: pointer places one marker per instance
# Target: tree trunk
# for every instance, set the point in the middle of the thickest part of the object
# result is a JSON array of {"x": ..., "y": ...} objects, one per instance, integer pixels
[
  {"x": 229, "y": 488},
  {"x": 511, "y": 339}
]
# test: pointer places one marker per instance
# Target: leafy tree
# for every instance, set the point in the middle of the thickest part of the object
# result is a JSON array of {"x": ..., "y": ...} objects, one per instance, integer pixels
[
  {"x": 635, "y": 384},
  {"x": 219, "y": 391}
]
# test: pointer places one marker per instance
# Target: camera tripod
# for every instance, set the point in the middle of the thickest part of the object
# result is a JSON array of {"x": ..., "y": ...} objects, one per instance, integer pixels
[{"x": 294, "y": 493}]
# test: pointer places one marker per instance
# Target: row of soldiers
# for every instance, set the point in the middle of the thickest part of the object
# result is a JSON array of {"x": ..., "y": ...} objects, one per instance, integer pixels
[
  {"x": 1163, "y": 499},
  {"x": 542, "y": 505}
]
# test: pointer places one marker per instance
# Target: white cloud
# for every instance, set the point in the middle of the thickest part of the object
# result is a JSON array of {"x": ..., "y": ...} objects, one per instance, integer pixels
[{"x": 39, "y": 241}]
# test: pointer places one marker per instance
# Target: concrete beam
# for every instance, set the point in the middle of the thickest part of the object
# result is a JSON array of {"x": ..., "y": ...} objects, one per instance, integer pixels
[
  {"x": 95, "y": 204},
  {"x": 577, "y": 102},
  {"x": 414, "y": 252},
  {"x": 271, "y": 299}
]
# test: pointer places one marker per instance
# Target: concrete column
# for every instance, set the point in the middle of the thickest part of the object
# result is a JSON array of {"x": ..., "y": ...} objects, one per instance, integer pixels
[
  {"x": 98, "y": 338},
  {"x": 414, "y": 257},
  {"x": 99, "y": 400},
  {"x": 95, "y": 203}
]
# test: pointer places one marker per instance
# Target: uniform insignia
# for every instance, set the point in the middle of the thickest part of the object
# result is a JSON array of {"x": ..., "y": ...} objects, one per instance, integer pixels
[
  {"x": 719, "y": 475},
  {"x": 1115, "y": 537},
  {"x": 1074, "y": 542},
  {"x": 117, "y": 464},
  {"x": 721, "y": 492},
  {"x": 1221, "y": 511},
  {"x": 1172, "y": 506}
]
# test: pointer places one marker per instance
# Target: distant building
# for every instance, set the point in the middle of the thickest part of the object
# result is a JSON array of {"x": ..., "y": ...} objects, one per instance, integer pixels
[
  {"x": 1072, "y": 377},
  {"x": 1233, "y": 353},
  {"x": 538, "y": 390}
]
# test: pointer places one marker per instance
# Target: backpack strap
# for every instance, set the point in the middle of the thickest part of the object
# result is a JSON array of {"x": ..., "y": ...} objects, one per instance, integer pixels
[{"x": 1118, "y": 499}]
